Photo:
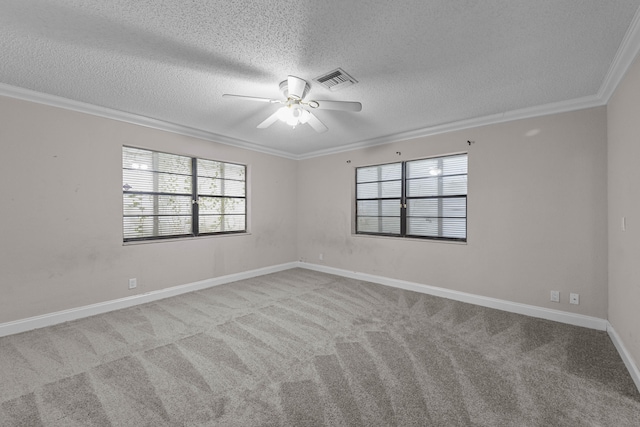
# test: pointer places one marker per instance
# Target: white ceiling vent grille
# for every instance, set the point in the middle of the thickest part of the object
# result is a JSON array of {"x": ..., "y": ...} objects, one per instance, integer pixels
[{"x": 336, "y": 79}]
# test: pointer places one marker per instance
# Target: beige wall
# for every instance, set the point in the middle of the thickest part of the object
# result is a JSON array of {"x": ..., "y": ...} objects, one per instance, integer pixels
[
  {"x": 536, "y": 213},
  {"x": 61, "y": 208},
  {"x": 624, "y": 201},
  {"x": 537, "y": 205}
]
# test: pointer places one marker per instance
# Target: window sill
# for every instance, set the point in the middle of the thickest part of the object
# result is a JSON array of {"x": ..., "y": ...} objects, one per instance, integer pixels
[
  {"x": 182, "y": 239},
  {"x": 412, "y": 239}
]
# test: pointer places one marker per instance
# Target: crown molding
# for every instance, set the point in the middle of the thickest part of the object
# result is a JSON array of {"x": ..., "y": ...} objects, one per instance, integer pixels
[
  {"x": 626, "y": 54},
  {"x": 507, "y": 116},
  {"x": 122, "y": 116}
]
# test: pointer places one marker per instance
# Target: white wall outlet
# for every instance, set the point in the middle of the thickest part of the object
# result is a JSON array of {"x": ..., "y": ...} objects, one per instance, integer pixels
[
  {"x": 321, "y": 257},
  {"x": 133, "y": 283},
  {"x": 574, "y": 298},
  {"x": 555, "y": 296}
]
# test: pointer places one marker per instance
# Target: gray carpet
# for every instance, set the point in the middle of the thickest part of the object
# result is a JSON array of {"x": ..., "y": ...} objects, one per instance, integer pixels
[{"x": 301, "y": 348}]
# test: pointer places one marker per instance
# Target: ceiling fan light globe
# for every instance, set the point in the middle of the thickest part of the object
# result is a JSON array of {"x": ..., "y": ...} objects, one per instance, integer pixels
[
  {"x": 304, "y": 116},
  {"x": 284, "y": 113}
]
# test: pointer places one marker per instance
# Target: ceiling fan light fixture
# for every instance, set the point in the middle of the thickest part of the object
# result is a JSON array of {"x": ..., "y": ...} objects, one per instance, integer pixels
[
  {"x": 284, "y": 113},
  {"x": 293, "y": 115},
  {"x": 293, "y": 111},
  {"x": 304, "y": 116}
]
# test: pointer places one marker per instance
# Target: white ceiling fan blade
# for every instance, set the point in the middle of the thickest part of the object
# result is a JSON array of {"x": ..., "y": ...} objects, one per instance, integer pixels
[
  {"x": 251, "y": 98},
  {"x": 316, "y": 124},
  {"x": 295, "y": 87},
  {"x": 269, "y": 121},
  {"x": 336, "y": 105}
]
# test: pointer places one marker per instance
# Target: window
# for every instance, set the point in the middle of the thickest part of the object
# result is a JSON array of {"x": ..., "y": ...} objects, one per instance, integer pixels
[
  {"x": 421, "y": 198},
  {"x": 167, "y": 195}
]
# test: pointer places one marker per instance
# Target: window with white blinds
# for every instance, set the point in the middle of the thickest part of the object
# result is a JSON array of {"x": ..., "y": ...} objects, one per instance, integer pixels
[
  {"x": 168, "y": 195},
  {"x": 424, "y": 198}
]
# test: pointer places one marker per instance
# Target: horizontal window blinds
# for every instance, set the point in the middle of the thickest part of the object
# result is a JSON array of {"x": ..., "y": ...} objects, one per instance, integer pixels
[
  {"x": 421, "y": 198},
  {"x": 436, "y": 197},
  {"x": 168, "y": 195},
  {"x": 379, "y": 194},
  {"x": 221, "y": 197}
]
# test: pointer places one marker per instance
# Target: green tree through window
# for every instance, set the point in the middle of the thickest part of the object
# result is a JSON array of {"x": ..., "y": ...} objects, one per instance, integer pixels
[{"x": 168, "y": 195}]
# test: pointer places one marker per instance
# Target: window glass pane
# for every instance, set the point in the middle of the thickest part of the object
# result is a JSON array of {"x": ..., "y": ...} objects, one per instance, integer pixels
[
  {"x": 148, "y": 181},
  {"x": 136, "y": 227},
  {"x": 449, "y": 207},
  {"x": 171, "y": 163},
  {"x": 437, "y": 166},
  {"x": 389, "y": 225},
  {"x": 221, "y": 205},
  {"x": 424, "y": 168},
  {"x": 221, "y": 223},
  {"x": 171, "y": 225},
  {"x": 454, "y": 165},
  {"x": 149, "y": 204},
  {"x": 209, "y": 168},
  {"x": 376, "y": 190},
  {"x": 378, "y": 207},
  {"x": 145, "y": 160},
  {"x": 220, "y": 187},
  {"x": 137, "y": 180},
  {"x": 379, "y": 173},
  {"x": 169, "y": 183},
  {"x": 221, "y": 170},
  {"x": 437, "y": 186},
  {"x": 453, "y": 228},
  {"x": 235, "y": 172}
]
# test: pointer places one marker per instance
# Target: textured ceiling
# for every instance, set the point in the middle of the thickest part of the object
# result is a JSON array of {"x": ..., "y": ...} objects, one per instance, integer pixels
[{"x": 420, "y": 64}]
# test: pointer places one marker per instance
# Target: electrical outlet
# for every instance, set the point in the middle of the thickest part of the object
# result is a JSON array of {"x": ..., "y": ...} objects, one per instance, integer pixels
[
  {"x": 321, "y": 257},
  {"x": 574, "y": 298},
  {"x": 555, "y": 296},
  {"x": 133, "y": 283}
]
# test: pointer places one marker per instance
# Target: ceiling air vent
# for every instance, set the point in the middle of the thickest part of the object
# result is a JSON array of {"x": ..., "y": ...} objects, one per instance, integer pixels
[{"x": 336, "y": 79}]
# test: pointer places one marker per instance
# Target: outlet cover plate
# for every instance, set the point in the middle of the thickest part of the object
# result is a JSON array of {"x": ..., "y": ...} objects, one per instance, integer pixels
[
  {"x": 555, "y": 296},
  {"x": 133, "y": 283},
  {"x": 574, "y": 298}
]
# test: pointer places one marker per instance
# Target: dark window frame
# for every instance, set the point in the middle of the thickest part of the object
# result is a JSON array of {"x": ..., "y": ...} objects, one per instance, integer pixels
[
  {"x": 404, "y": 199},
  {"x": 194, "y": 195}
]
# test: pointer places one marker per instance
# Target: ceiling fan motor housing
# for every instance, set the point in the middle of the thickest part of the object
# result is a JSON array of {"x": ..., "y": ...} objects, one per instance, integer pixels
[{"x": 294, "y": 87}]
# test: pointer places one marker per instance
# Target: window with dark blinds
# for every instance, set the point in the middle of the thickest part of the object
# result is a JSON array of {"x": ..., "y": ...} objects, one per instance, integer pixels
[
  {"x": 168, "y": 195},
  {"x": 424, "y": 198},
  {"x": 379, "y": 198}
]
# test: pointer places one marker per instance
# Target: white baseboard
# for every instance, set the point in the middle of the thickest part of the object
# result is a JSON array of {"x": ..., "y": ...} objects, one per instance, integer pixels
[
  {"x": 512, "y": 307},
  {"x": 55, "y": 318},
  {"x": 631, "y": 365},
  {"x": 50, "y": 319}
]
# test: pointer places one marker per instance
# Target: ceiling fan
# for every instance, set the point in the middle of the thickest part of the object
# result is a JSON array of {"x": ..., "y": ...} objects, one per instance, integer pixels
[{"x": 294, "y": 89}]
